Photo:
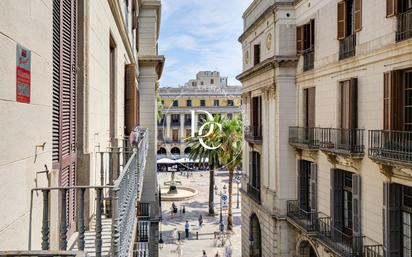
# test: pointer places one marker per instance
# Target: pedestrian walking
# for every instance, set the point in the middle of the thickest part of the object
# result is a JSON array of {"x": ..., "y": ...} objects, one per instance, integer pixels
[
  {"x": 228, "y": 250},
  {"x": 204, "y": 254},
  {"x": 217, "y": 254},
  {"x": 175, "y": 235},
  {"x": 174, "y": 207},
  {"x": 184, "y": 211},
  {"x": 179, "y": 249},
  {"x": 200, "y": 219},
  {"x": 187, "y": 229}
]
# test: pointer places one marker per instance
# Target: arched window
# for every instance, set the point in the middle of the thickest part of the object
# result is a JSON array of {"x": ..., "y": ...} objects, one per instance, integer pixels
[
  {"x": 175, "y": 152},
  {"x": 161, "y": 151},
  {"x": 255, "y": 237},
  {"x": 188, "y": 150}
]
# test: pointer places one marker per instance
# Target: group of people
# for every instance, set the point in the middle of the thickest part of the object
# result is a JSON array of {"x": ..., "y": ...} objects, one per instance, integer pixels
[{"x": 173, "y": 210}]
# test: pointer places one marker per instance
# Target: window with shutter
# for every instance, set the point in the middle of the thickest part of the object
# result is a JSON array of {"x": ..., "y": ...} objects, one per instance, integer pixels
[
  {"x": 341, "y": 20},
  {"x": 336, "y": 198},
  {"x": 393, "y": 101},
  {"x": 299, "y": 39},
  {"x": 392, "y": 201},
  {"x": 313, "y": 187},
  {"x": 64, "y": 98},
  {"x": 131, "y": 101},
  {"x": 391, "y": 8},
  {"x": 356, "y": 212},
  {"x": 304, "y": 175},
  {"x": 358, "y": 15}
]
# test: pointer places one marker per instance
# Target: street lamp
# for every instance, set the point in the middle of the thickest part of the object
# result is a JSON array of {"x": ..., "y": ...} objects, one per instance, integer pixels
[{"x": 221, "y": 226}]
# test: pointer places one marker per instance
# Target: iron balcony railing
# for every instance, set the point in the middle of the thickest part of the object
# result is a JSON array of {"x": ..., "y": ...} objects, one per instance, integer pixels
[
  {"x": 253, "y": 192},
  {"x": 175, "y": 123},
  {"x": 347, "y": 47},
  {"x": 253, "y": 134},
  {"x": 142, "y": 249},
  {"x": 342, "y": 141},
  {"x": 308, "y": 59},
  {"x": 123, "y": 196},
  {"x": 389, "y": 145},
  {"x": 404, "y": 26},
  {"x": 302, "y": 137},
  {"x": 188, "y": 122},
  {"x": 307, "y": 220}
]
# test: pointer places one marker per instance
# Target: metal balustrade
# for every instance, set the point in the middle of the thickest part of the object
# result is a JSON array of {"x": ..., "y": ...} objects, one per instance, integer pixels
[
  {"x": 253, "y": 134},
  {"x": 388, "y": 145},
  {"x": 305, "y": 219},
  {"x": 124, "y": 194},
  {"x": 302, "y": 137},
  {"x": 308, "y": 59},
  {"x": 404, "y": 26},
  {"x": 347, "y": 47},
  {"x": 342, "y": 141}
]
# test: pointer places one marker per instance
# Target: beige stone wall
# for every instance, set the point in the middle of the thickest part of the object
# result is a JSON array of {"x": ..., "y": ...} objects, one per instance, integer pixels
[{"x": 23, "y": 126}]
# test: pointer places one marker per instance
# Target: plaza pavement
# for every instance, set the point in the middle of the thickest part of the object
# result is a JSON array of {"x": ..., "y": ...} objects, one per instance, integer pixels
[{"x": 193, "y": 247}]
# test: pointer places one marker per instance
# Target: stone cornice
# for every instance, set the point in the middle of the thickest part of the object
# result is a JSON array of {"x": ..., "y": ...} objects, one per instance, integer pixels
[
  {"x": 271, "y": 9},
  {"x": 156, "y": 60},
  {"x": 270, "y": 63},
  {"x": 118, "y": 17}
]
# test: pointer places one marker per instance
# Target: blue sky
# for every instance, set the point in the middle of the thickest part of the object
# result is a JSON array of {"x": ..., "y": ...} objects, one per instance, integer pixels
[{"x": 201, "y": 35}]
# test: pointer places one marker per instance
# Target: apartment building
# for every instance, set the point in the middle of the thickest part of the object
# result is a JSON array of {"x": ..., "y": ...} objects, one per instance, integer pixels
[
  {"x": 208, "y": 92},
  {"x": 351, "y": 138},
  {"x": 72, "y": 73}
]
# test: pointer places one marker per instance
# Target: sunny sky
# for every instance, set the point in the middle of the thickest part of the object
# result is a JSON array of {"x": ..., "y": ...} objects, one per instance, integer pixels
[{"x": 201, "y": 35}]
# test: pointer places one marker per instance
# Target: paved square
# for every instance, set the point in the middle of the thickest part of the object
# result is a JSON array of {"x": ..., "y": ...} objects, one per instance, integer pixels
[{"x": 193, "y": 247}]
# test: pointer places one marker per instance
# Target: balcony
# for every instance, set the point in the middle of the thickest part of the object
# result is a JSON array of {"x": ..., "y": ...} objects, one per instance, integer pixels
[
  {"x": 404, "y": 27},
  {"x": 115, "y": 211},
  {"x": 188, "y": 122},
  {"x": 342, "y": 141},
  {"x": 304, "y": 138},
  {"x": 253, "y": 134},
  {"x": 175, "y": 123},
  {"x": 302, "y": 219},
  {"x": 253, "y": 192},
  {"x": 308, "y": 59},
  {"x": 391, "y": 146},
  {"x": 347, "y": 47}
]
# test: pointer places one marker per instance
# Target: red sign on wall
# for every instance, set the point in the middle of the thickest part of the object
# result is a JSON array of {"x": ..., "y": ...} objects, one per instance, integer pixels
[{"x": 23, "y": 66}]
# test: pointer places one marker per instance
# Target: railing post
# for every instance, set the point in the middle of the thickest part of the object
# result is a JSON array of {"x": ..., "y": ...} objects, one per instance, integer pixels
[
  {"x": 101, "y": 169},
  {"x": 115, "y": 224},
  {"x": 63, "y": 220},
  {"x": 45, "y": 228},
  {"x": 82, "y": 227},
  {"x": 98, "y": 240}
]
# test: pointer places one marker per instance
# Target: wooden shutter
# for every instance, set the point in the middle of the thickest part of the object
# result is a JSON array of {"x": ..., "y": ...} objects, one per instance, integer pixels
[
  {"x": 391, "y": 8},
  {"x": 345, "y": 108},
  {"x": 341, "y": 20},
  {"x": 312, "y": 33},
  {"x": 311, "y": 107},
  {"x": 131, "y": 98},
  {"x": 353, "y": 103},
  {"x": 356, "y": 212},
  {"x": 358, "y": 15},
  {"x": 303, "y": 185},
  {"x": 313, "y": 187},
  {"x": 64, "y": 98},
  {"x": 336, "y": 199},
  {"x": 392, "y": 219},
  {"x": 299, "y": 39},
  {"x": 393, "y": 102}
]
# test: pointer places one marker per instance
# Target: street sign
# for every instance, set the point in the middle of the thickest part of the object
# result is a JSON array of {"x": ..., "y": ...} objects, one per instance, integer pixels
[{"x": 224, "y": 197}]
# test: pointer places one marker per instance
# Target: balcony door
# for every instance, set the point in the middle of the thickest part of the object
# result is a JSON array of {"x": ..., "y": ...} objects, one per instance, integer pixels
[
  {"x": 398, "y": 100},
  {"x": 256, "y": 115},
  {"x": 348, "y": 113}
]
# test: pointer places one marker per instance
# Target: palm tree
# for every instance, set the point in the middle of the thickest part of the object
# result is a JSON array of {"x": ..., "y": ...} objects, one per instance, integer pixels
[
  {"x": 230, "y": 154},
  {"x": 199, "y": 152}
]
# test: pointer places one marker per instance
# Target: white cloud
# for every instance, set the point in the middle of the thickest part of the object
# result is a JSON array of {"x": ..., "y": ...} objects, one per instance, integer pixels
[{"x": 201, "y": 35}]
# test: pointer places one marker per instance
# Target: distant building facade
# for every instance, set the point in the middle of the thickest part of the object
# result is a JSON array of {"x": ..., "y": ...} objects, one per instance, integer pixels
[
  {"x": 208, "y": 92},
  {"x": 326, "y": 91}
]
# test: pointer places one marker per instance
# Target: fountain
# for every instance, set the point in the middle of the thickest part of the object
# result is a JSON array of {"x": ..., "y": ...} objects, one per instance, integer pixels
[{"x": 172, "y": 192}]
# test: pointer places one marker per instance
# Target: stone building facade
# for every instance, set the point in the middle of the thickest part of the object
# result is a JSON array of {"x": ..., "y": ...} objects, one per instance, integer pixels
[
  {"x": 348, "y": 138},
  {"x": 90, "y": 61},
  {"x": 208, "y": 92}
]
